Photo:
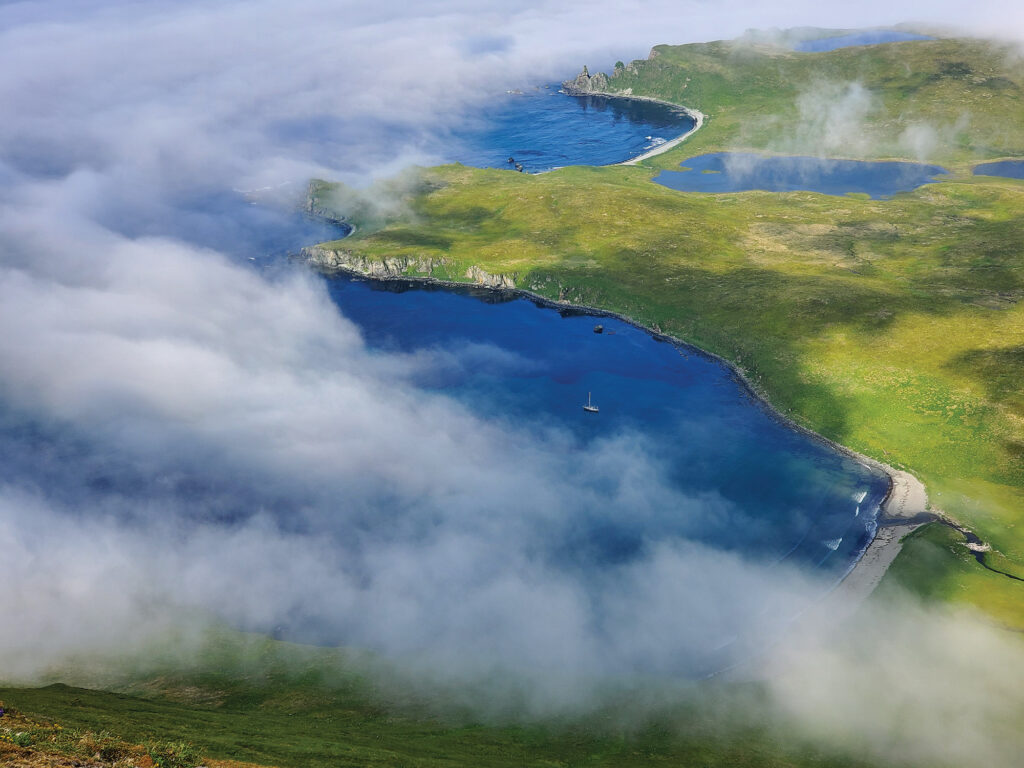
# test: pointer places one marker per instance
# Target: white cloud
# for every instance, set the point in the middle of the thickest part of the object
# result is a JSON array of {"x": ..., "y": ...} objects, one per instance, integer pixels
[{"x": 185, "y": 434}]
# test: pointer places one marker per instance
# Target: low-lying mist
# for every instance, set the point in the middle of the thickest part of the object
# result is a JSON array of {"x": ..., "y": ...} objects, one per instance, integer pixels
[{"x": 185, "y": 441}]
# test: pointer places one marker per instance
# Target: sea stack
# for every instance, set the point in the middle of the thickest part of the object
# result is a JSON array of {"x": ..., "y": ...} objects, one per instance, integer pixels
[{"x": 584, "y": 82}]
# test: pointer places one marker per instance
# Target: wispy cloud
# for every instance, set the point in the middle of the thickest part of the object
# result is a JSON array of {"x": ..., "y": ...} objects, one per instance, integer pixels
[{"x": 183, "y": 434}]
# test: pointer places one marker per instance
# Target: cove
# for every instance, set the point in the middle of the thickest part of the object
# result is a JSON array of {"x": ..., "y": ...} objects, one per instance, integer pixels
[
  {"x": 543, "y": 128},
  {"x": 721, "y": 172},
  {"x": 1010, "y": 169},
  {"x": 793, "y": 498}
]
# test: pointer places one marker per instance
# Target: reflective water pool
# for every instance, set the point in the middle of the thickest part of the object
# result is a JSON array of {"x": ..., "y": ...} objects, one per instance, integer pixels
[{"x": 738, "y": 172}]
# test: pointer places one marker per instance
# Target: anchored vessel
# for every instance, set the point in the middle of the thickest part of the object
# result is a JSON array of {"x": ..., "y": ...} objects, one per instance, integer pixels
[{"x": 589, "y": 407}]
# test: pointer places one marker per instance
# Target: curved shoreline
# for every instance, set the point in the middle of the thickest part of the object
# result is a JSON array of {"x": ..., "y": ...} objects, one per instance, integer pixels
[
  {"x": 694, "y": 114},
  {"x": 698, "y": 121},
  {"x": 903, "y": 510}
]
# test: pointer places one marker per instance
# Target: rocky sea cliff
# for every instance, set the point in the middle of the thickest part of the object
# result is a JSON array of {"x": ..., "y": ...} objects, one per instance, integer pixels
[{"x": 399, "y": 267}]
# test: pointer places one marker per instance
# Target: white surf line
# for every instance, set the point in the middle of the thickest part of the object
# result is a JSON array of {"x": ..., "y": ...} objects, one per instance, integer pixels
[{"x": 698, "y": 121}]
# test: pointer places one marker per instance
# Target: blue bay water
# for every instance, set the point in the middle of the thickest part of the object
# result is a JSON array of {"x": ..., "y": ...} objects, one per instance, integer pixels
[
  {"x": 544, "y": 129},
  {"x": 721, "y": 172},
  {"x": 532, "y": 366}
]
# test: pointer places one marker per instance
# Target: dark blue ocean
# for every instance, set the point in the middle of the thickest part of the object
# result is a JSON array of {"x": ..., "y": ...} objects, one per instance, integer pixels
[
  {"x": 539, "y": 127},
  {"x": 802, "y": 501}
]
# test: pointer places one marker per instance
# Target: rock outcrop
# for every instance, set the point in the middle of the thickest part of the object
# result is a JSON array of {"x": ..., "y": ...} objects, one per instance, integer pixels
[
  {"x": 392, "y": 267},
  {"x": 584, "y": 82},
  {"x": 313, "y": 208},
  {"x": 482, "y": 277},
  {"x": 339, "y": 259}
]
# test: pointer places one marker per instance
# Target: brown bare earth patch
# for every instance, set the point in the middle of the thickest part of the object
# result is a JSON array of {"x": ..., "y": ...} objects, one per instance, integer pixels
[{"x": 31, "y": 742}]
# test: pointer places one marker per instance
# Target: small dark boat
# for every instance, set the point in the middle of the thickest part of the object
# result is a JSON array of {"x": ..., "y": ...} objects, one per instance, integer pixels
[{"x": 598, "y": 329}]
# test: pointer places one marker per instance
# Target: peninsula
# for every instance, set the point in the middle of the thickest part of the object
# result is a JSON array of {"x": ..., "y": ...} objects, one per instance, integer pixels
[{"x": 890, "y": 326}]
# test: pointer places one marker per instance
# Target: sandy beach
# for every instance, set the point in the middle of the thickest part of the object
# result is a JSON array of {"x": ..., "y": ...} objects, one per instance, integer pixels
[
  {"x": 904, "y": 510},
  {"x": 696, "y": 115},
  {"x": 698, "y": 118}
]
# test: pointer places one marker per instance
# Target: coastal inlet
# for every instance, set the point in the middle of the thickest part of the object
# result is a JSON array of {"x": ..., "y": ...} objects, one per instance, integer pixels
[{"x": 540, "y": 128}]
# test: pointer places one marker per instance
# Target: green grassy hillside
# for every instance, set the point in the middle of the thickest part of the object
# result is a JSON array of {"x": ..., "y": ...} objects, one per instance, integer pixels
[
  {"x": 334, "y": 734},
  {"x": 271, "y": 703},
  {"x": 957, "y": 100}
]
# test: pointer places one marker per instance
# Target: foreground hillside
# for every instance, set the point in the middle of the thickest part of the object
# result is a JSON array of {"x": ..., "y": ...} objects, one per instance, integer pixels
[
  {"x": 892, "y": 326},
  {"x": 270, "y": 703}
]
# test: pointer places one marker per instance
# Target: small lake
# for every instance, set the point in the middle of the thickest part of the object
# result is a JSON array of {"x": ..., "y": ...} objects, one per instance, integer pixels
[
  {"x": 867, "y": 37},
  {"x": 1010, "y": 169},
  {"x": 721, "y": 172},
  {"x": 544, "y": 129}
]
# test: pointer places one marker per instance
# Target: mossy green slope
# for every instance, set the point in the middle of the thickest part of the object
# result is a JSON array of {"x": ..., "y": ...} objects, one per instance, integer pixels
[
  {"x": 293, "y": 706},
  {"x": 959, "y": 100},
  {"x": 892, "y": 326},
  {"x": 264, "y": 701}
]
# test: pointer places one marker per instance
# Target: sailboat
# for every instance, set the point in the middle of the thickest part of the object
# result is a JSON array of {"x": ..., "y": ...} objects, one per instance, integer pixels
[{"x": 589, "y": 407}]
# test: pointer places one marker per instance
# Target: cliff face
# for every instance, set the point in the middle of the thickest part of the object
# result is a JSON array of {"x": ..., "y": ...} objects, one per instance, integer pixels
[
  {"x": 481, "y": 277},
  {"x": 332, "y": 260},
  {"x": 312, "y": 204},
  {"x": 584, "y": 82},
  {"x": 339, "y": 259}
]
